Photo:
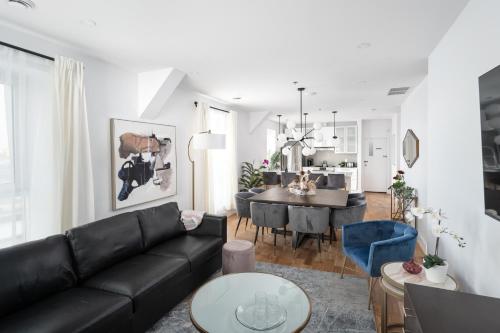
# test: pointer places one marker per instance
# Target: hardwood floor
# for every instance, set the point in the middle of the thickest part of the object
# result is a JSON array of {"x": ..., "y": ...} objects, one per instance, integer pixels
[{"x": 331, "y": 257}]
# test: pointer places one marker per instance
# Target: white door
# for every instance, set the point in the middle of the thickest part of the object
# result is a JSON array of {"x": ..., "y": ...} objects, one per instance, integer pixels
[{"x": 375, "y": 165}]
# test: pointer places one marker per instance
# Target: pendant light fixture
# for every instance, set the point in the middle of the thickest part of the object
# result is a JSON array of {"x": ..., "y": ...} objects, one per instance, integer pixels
[
  {"x": 299, "y": 136},
  {"x": 335, "y": 138}
]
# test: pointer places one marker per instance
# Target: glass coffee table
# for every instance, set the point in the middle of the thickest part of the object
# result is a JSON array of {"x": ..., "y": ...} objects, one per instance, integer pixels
[{"x": 215, "y": 305}]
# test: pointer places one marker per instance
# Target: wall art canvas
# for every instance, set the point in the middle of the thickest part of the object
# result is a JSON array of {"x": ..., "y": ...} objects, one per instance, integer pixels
[
  {"x": 144, "y": 162},
  {"x": 489, "y": 99}
]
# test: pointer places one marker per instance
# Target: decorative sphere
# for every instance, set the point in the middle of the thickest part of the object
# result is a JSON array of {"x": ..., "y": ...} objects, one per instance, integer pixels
[
  {"x": 318, "y": 136},
  {"x": 282, "y": 137},
  {"x": 297, "y": 135},
  {"x": 291, "y": 124},
  {"x": 317, "y": 126},
  {"x": 305, "y": 151},
  {"x": 286, "y": 151},
  {"x": 312, "y": 151}
]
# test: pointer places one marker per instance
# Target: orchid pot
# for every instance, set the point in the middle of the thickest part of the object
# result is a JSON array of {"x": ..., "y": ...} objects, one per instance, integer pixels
[
  {"x": 438, "y": 273},
  {"x": 436, "y": 268}
]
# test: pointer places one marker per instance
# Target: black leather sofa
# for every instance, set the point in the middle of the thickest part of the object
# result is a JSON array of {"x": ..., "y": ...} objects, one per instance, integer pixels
[{"x": 120, "y": 274}]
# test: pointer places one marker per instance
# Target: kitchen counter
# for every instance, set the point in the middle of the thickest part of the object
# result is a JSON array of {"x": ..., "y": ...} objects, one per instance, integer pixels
[{"x": 351, "y": 174}]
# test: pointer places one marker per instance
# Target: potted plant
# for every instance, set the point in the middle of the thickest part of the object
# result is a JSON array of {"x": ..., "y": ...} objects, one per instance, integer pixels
[
  {"x": 436, "y": 268},
  {"x": 275, "y": 161},
  {"x": 251, "y": 176},
  {"x": 403, "y": 194}
]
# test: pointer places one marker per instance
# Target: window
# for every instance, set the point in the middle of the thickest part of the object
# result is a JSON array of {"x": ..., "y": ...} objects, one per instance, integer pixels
[
  {"x": 271, "y": 143},
  {"x": 28, "y": 175},
  {"x": 12, "y": 228}
]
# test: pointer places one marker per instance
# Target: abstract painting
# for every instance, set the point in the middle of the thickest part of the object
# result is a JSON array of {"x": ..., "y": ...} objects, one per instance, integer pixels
[{"x": 144, "y": 162}]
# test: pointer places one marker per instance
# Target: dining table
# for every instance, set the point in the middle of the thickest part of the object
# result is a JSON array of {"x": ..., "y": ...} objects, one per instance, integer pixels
[{"x": 322, "y": 198}]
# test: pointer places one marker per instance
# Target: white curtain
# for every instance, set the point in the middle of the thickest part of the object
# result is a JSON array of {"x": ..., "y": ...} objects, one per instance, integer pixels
[
  {"x": 29, "y": 178},
  {"x": 201, "y": 160},
  {"x": 222, "y": 169},
  {"x": 77, "y": 187}
]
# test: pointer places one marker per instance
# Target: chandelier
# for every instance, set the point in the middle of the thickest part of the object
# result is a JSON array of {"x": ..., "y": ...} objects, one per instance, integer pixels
[{"x": 300, "y": 136}]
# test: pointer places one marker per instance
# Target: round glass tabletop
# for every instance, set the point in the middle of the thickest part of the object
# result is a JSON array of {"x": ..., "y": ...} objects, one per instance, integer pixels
[{"x": 214, "y": 305}]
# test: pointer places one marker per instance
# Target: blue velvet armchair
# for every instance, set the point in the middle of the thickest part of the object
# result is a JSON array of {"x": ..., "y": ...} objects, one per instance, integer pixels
[{"x": 374, "y": 243}]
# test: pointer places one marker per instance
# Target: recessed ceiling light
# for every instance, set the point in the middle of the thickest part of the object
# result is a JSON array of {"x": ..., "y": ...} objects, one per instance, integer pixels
[
  {"x": 27, "y": 4},
  {"x": 89, "y": 23},
  {"x": 313, "y": 93},
  {"x": 364, "y": 45},
  {"x": 295, "y": 82},
  {"x": 237, "y": 98},
  {"x": 363, "y": 82},
  {"x": 374, "y": 109}
]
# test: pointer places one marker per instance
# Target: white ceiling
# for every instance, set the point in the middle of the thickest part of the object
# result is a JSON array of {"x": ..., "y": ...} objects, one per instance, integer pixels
[{"x": 255, "y": 49}]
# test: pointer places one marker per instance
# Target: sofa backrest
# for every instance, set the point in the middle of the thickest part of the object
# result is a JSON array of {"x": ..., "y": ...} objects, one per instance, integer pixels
[
  {"x": 34, "y": 270},
  {"x": 160, "y": 223},
  {"x": 100, "y": 244}
]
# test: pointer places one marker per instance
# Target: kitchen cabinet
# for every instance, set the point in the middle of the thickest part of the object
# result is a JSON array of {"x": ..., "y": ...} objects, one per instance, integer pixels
[{"x": 348, "y": 139}]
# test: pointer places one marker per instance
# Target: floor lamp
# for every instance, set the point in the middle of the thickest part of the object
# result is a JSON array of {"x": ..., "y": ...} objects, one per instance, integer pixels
[{"x": 204, "y": 141}]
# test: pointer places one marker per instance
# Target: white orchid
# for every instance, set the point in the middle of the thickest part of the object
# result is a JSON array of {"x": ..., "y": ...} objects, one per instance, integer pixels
[
  {"x": 419, "y": 212},
  {"x": 437, "y": 230},
  {"x": 437, "y": 215}
]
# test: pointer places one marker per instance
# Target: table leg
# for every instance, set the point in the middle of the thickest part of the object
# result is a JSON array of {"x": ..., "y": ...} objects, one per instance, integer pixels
[{"x": 384, "y": 313}]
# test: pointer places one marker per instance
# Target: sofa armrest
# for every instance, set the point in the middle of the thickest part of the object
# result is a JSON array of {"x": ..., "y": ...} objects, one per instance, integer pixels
[
  {"x": 395, "y": 249},
  {"x": 212, "y": 225}
]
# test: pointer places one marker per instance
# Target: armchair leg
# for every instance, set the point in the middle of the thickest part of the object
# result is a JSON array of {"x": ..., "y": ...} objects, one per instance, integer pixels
[
  {"x": 246, "y": 223},
  {"x": 256, "y": 235},
  {"x": 262, "y": 234},
  {"x": 371, "y": 281},
  {"x": 343, "y": 267},
  {"x": 319, "y": 243},
  {"x": 238, "y": 226},
  {"x": 284, "y": 234}
]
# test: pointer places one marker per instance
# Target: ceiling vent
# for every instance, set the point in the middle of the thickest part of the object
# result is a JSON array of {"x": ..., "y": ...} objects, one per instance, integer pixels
[
  {"x": 28, "y": 4},
  {"x": 398, "y": 91}
]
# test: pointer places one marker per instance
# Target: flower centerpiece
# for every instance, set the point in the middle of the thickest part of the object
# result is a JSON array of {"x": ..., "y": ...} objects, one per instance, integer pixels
[
  {"x": 436, "y": 268},
  {"x": 302, "y": 185}
]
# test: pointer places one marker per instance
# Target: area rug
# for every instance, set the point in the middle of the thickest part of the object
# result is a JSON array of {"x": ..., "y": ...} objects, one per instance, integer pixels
[{"x": 338, "y": 305}]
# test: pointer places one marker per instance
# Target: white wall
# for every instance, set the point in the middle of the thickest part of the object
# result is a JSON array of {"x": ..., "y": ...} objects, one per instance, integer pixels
[
  {"x": 414, "y": 116},
  {"x": 112, "y": 93},
  {"x": 252, "y": 146},
  {"x": 455, "y": 181}
]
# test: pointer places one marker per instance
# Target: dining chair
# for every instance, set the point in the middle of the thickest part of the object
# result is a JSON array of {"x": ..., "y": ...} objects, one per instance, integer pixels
[
  {"x": 309, "y": 220},
  {"x": 287, "y": 178},
  {"x": 256, "y": 190},
  {"x": 352, "y": 213},
  {"x": 336, "y": 181},
  {"x": 270, "y": 178},
  {"x": 273, "y": 216},
  {"x": 320, "y": 180},
  {"x": 372, "y": 244},
  {"x": 242, "y": 207},
  {"x": 360, "y": 195}
]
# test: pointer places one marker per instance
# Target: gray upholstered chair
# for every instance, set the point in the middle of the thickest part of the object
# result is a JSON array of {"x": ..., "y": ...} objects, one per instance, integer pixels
[
  {"x": 336, "y": 181},
  {"x": 320, "y": 180},
  {"x": 270, "y": 178},
  {"x": 256, "y": 190},
  {"x": 309, "y": 220},
  {"x": 287, "y": 178},
  {"x": 242, "y": 207},
  {"x": 360, "y": 196},
  {"x": 273, "y": 216},
  {"x": 353, "y": 213}
]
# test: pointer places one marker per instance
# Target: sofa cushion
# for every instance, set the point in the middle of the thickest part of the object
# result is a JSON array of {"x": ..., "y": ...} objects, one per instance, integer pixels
[
  {"x": 101, "y": 244},
  {"x": 73, "y": 310},
  {"x": 138, "y": 276},
  {"x": 197, "y": 249},
  {"x": 34, "y": 270},
  {"x": 160, "y": 223}
]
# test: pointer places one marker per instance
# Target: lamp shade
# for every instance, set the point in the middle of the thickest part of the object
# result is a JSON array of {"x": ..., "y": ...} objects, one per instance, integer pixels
[{"x": 209, "y": 141}]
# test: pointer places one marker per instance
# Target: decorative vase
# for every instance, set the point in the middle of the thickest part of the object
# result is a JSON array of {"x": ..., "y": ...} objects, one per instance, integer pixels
[
  {"x": 437, "y": 274},
  {"x": 412, "y": 267}
]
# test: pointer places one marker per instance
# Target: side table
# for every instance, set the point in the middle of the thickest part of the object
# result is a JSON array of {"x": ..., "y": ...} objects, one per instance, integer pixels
[{"x": 393, "y": 280}]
